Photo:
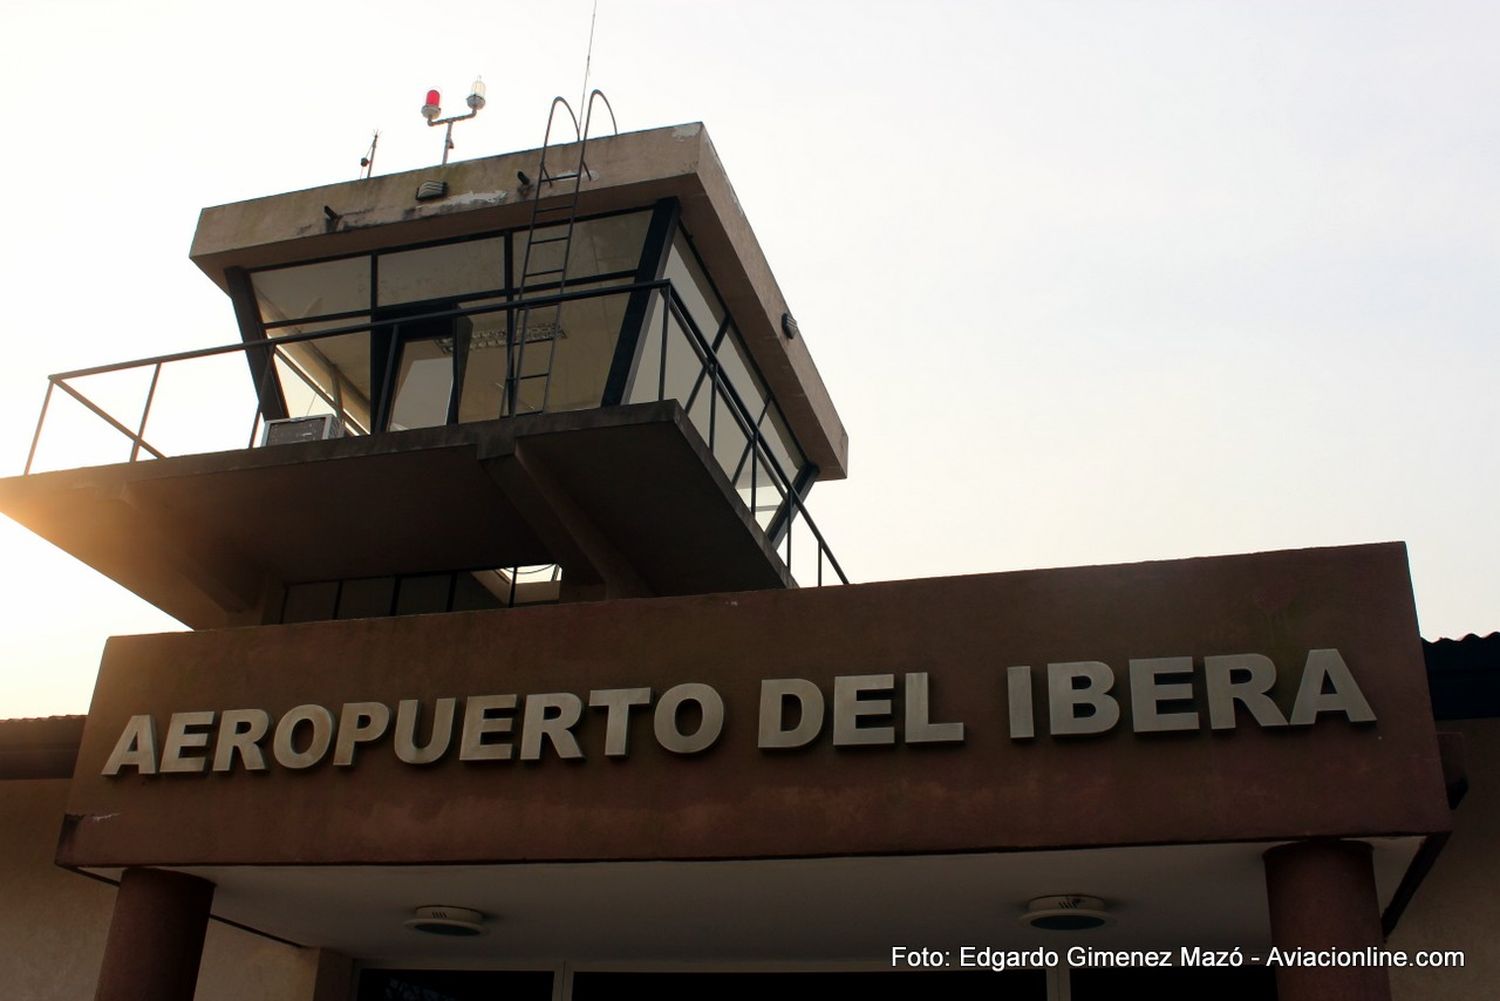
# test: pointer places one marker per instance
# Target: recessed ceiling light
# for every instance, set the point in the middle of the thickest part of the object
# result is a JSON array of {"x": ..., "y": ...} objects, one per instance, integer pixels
[
  {"x": 1066, "y": 912},
  {"x": 442, "y": 920}
]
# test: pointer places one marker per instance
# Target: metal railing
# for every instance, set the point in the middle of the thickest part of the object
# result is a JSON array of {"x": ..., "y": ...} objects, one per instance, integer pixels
[{"x": 756, "y": 474}]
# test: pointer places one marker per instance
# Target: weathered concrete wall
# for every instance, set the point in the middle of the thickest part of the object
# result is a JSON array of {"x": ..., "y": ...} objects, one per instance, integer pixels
[
  {"x": 53, "y": 923},
  {"x": 1457, "y": 907}
]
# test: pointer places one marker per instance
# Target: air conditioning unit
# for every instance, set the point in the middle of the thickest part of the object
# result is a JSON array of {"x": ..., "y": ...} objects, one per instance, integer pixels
[{"x": 294, "y": 429}]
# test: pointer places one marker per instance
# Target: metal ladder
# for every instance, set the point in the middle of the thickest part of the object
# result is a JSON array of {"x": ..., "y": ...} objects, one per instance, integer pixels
[{"x": 544, "y": 268}]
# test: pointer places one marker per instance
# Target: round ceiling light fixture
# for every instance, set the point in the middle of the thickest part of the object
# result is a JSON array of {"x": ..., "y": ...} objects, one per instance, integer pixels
[
  {"x": 439, "y": 919},
  {"x": 1066, "y": 912}
]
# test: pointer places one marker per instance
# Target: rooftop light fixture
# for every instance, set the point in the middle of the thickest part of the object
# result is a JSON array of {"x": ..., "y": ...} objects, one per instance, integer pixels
[
  {"x": 432, "y": 108},
  {"x": 1066, "y": 912},
  {"x": 462, "y": 922}
]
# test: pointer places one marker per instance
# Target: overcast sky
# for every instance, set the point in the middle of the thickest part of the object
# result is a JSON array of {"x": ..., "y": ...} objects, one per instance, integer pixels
[{"x": 1089, "y": 282}]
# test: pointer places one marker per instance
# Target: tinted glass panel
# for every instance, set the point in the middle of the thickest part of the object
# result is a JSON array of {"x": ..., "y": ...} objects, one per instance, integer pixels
[
  {"x": 604, "y": 246},
  {"x": 599, "y": 247},
  {"x": 482, "y": 336},
  {"x": 428, "y": 593},
  {"x": 684, "y": 365},
  {"x": 366, "y": 598},
  {"x": 441, "y": 272},
  {"x": 310, "y": 602},
  {"x": 762, "y": 492},
  {"x": 692, "y": 287},
  {"x": 645, "y": 374},
  {"x": 313, "y": 289},
  {"x": 779, "y": 440},
  {"x": 339, "y": 368},
  {"x": 586, "y": 332},
  {"x": 480, "y": 589},
  {"x": 741, "y": 375},
  {"x": 424, "y": 383},
  {"x": 729, "y": 438}
]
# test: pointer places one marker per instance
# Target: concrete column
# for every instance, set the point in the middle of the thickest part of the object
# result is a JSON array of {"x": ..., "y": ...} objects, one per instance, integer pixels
[
  {"x": 1322, "y": 896},
  {"x": 155, "y": 937}
]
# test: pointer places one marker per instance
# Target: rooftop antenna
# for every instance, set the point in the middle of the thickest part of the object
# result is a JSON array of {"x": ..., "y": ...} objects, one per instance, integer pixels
[
  {"x": 432, "y": 109},
  {"x": 588, "y": 58},
  {"x": 367, "y": 162}
]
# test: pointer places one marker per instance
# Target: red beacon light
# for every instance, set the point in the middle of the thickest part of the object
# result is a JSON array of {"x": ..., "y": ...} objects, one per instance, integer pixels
[{"x": 431, "y": 110}]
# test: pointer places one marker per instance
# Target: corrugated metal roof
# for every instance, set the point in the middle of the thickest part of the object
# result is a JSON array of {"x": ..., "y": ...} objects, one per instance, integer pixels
[{"x": 1463, "y": 676}]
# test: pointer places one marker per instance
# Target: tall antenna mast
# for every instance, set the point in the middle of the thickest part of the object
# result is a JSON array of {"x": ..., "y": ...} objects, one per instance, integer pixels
[{"x": 588, "y": 59}]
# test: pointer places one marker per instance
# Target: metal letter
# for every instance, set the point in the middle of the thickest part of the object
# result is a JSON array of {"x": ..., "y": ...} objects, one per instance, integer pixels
[
  {"x": 618, "y": 702},
  {"x": 1022, "y": 711},
  {"x": 1224, "y": 691},
  {"x": 359, "y": 723},
  {"x": 180, "y": 739},
  {"x": 241, "y": 730},
  {"x": 1345, "y": 697},
  {"x": 405, "y": 737},
  {"x": 322, "y": 735},
  {"x": 849, "y": 708},
  {"x": 1147, "y": 692},
  {"x": 919, "y": 726},
  {"x": 773, "y": 696},
  {"x": 710, "y": 704},
  {"x": 136, "y": 747},
  {"x": 1064, "y": 699},
  {"x": 477, "y": 723},
  {"x": 556, "y": 726}
]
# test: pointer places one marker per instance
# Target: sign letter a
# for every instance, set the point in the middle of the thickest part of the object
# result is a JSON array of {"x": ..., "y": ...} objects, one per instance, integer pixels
[
  {"x": 136, "y": 747},
  {"x": 1328, "y": 667}
]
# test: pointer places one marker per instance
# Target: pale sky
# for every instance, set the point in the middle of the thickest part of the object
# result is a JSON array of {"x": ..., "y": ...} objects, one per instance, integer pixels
[{"x": 1089, "y": 282}]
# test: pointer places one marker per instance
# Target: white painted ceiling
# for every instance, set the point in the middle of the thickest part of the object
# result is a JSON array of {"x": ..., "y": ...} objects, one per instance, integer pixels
[{"x": 842, "y": 910}]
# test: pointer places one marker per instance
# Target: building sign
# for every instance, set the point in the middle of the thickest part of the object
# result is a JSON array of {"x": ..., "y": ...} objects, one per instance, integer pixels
[
  {"x": 1246, "y": 698},
  {"x": 792, "y": 713}
]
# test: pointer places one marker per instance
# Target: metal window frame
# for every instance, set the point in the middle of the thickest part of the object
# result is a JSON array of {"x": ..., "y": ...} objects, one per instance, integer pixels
[
  {"x": 271, "y": 394},
  {"x": 746, "y": 356},
  {"x": 664, "y": 220}
]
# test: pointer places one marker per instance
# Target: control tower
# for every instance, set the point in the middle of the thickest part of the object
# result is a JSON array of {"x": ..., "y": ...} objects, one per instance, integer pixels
[{"x": 558, "y": 375}]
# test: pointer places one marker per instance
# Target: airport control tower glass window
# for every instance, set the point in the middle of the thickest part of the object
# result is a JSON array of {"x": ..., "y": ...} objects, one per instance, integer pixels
[
  {"x": 324, "y": 288},
  {"x": 672, "y": 362},
  {"x": 439, "y": 273},
  {"x": 432, "y": 334}
]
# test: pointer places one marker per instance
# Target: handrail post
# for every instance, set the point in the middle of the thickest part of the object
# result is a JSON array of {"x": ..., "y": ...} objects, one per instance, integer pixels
[
  {"x": 754, "y": 458},
  {"x": 260, "y": 391},
  {"x": 37, "y": 435},
  {"x": 791, "y": 530},
  {"x": 94, "y": 407},
  {"x": 661, "y": 383},
  {"x": 713, "y": 400},
  {"x": 140, "y": 433}
]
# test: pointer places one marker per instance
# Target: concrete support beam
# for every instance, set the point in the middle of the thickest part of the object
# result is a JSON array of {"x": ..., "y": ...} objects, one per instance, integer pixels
[
  {"x": 1322, "y": 896},
  {"x": 334, "y": 979},
  {"x": 155, "y": 938},
  {"x": 593, "y": 568}
]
